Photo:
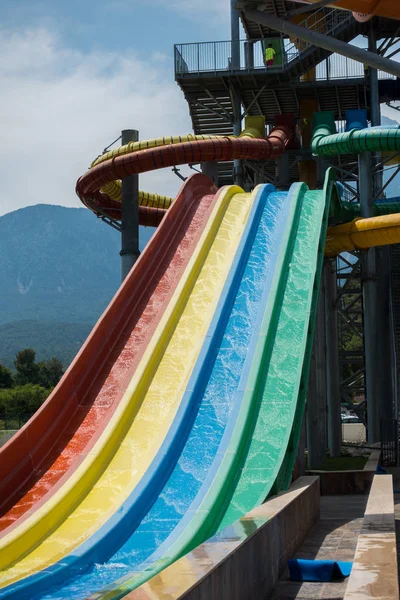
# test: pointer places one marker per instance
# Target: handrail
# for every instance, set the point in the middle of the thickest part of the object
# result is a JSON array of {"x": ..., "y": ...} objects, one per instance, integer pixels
[
  {"x": 326, "y": 21},
  {"x": 208, "y": 57},
  {"x": 214, "y": 58}
]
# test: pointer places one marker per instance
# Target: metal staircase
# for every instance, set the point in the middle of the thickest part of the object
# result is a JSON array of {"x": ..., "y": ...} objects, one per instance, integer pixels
[{"x": 303, "y": 56}]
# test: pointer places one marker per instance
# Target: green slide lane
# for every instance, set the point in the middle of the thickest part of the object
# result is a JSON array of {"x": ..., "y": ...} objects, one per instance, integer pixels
[{"x": 280, "y": 378}]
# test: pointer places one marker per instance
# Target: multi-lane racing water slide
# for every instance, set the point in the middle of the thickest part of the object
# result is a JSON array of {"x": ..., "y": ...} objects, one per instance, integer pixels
[{"x": 182, "y": 411}]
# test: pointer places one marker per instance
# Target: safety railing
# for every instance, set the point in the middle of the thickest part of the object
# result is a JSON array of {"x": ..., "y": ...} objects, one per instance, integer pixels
[
  {"x": 325, "y": 21},
  {"x": 340, "y": 67},
  {"x": 209, "y": 57},
  {"x": 215, "y": 57}
]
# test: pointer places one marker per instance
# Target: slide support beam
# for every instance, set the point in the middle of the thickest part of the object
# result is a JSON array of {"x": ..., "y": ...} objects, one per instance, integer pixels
[
  {"x": 370, "y": 301},
  {"x": 129, "y": 213},
  {"x": 316, "y": 395},
  {"x": 236, "y": 100},
  {"x": 332, "y": 360}
]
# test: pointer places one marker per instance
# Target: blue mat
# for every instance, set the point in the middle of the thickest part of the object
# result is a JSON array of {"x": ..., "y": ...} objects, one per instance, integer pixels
[
  {"x": 380, "y": 470},
  {"x": 318, "y": 570}
]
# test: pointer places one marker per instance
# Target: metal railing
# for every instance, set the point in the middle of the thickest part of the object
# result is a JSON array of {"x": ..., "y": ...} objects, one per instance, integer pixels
[
  {"x": 208, "y": 57},
  {"x": 214, "y": 57},
  {"x": 341, "y": 67},
  {"x": 325, "y": 21}
]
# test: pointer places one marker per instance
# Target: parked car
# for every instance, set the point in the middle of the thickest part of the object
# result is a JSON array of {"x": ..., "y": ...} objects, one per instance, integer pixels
[{"x": 350, "y": 419}]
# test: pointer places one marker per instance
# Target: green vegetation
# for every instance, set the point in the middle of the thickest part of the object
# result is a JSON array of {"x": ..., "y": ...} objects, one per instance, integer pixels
[
  {"x": 343, "y": 463},
  {"x": 23, "y": 392}
]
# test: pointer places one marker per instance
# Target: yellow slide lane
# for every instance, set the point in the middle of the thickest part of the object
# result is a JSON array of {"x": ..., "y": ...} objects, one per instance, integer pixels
[
  {"x": 135, "y": 433},
  {"x": 363, "y": 233}
]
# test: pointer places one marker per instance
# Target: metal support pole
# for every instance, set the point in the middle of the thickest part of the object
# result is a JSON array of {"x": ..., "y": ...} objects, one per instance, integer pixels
[
  {"x": 332, "y": 360},
  {"x": 236, "y": 100},
  {"x": 238, "y": 175},
  {"x": 324, "y": 41},
  {"x": 249, "y": 55},
  {"x": 235, "y": 36},
  {"x": 322, "y": 166},
  {"x": 385, "y": 365},
  {"x": 373, "y": 81},
  {"x": 370, "y": 305},
  {"x": 283, "y": 172},
  {"x": 316, "y": 395},
  {"x": 129, "y": 213},
  {"x": 374, "y": 101},
  {"x": 211, "y": 170}
]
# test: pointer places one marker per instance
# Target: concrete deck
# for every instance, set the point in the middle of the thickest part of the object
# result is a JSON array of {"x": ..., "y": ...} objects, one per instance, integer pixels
[
  {"x": 334, "y": 537},
  {"x": 374, "y": 572},
  {"x": 395, "y": 472}
]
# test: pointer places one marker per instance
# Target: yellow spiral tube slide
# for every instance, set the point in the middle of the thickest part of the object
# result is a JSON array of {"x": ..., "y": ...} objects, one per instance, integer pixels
[
  {"x": 361, "y": 234},
  {"x": 132, "y": 438}
]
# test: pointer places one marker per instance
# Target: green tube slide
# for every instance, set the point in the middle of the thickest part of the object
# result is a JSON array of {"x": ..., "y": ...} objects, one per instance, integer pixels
[
  {"x": 326, "y": 142},
  {"x": 356, "y": 139}
]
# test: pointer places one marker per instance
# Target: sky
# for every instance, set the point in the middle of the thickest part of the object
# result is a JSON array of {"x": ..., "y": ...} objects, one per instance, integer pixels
[{"x": 74, "y": 73}]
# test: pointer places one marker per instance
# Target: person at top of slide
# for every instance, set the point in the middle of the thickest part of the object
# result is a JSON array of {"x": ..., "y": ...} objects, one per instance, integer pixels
[{"x": 269, "y": 56}]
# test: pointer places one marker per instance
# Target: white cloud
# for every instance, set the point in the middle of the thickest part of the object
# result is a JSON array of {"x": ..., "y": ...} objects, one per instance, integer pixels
[{"x": 59, "y": 108}]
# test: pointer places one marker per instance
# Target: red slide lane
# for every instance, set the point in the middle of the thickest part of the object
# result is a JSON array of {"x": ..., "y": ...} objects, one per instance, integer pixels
[
  {"x": 48, "y": 449},
  {"x": 223, "y": 148}
]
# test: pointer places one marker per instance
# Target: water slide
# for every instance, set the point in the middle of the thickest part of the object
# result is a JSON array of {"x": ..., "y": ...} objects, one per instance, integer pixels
[
  {"x": 364, "y": 10},
  {"x": 88, "y": 445},
  {"x": 39, "y": 458},
  {"x": 209, "y": 421},
  {"x": 356, "y": 233},
  {"x": 240, "y": 407}
]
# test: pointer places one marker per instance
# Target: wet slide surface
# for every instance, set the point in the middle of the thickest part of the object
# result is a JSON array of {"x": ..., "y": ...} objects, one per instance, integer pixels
[
  {"x": 257, "y": 435},
  {"x": 92, "y": 391},
  {"x": 212, "y": 387},
  {"x": 241, "y": 423},
  {"x": 157, "y": 390}
]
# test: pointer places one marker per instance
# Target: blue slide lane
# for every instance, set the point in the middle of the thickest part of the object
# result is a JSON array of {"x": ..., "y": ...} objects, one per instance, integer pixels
[{"x": 206, "y": 408}]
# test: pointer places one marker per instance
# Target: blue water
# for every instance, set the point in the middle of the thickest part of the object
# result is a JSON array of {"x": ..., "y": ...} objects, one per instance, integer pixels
[{"x": 200, "y": 451}]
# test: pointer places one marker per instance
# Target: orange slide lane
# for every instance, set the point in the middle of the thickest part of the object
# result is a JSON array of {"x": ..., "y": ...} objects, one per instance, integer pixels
[
  {"x": 48, "y": 449},
  {"x": 142, "y": 161}
]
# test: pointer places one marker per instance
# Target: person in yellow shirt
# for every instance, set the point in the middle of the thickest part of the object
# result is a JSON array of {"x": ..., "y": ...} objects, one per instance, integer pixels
[{"x": 269, "y": 56}]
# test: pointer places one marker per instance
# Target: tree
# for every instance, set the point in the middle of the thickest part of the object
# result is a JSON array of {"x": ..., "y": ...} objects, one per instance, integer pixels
[
  {"x": 50, "y": 372},
  {"x": 26, "y": 367},
  {"x": 6, "y": 378},
  {"x": 25, "y": 399}
]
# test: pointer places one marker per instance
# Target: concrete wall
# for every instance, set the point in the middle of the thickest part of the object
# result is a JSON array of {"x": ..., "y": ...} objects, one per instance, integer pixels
[
  {"x": 374, "y": 572},
  {"x": 245, "y": 560},
  {"x": 354, "y": 432}
]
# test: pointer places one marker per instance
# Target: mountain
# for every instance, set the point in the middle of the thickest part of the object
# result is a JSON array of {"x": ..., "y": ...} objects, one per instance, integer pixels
[
  {"x": 59, "y": 269},
  {"x": 48, "y": 339},
  {"x": 58, "y": 264}
]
